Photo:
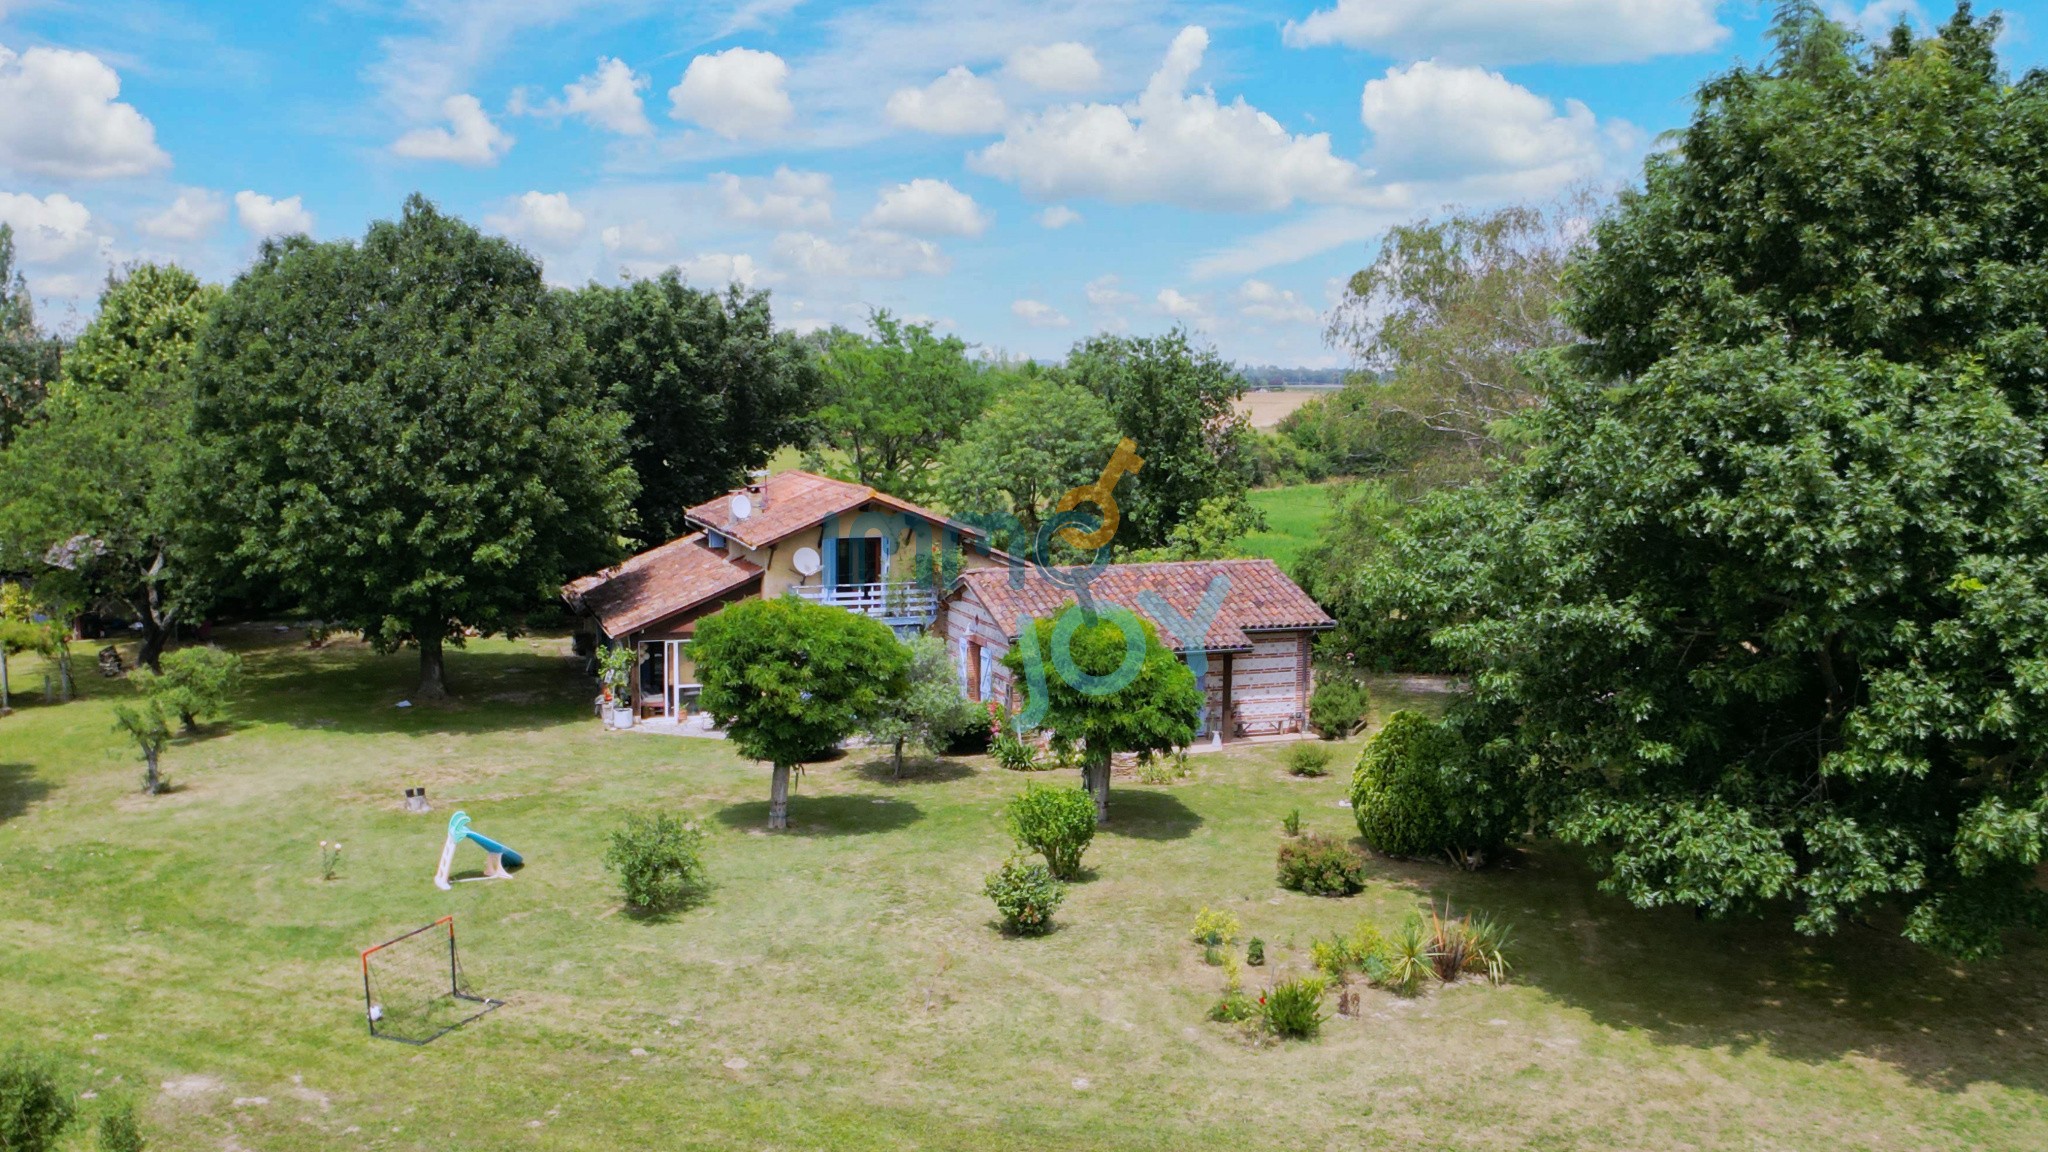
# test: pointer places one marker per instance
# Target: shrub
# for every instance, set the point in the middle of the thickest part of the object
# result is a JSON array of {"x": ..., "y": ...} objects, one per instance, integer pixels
[
  {"x": 1308, "y": 760},
  {"x": 1320, "y": 866},
  {"x": 1056, "y": 823},
  {"x": 1291, "y": 823},
  {"x": 1214, "y": 929},
  {"x": 1339, "y": 704},
  {"x": 1294, "y": 1008},
  {"x": 1026, "y": 895},
  {"x": 659, "y": 861},
  {"x": 118, "y": 1130},
  {"x": 1415, "y": 794},
  {"x": 195, "y": 683},
  {"x": 33, "y": 1110},
  {"x": 1255, "y": 952}
]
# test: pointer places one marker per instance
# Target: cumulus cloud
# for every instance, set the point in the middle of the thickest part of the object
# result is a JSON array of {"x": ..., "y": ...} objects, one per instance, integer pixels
[
  {"x": 928, "y": 208},
  {"x": 469, "y": 137},
  {"x": 1170, "y": 146},
  {"x": 1058, "y": 216},
  {"x": 1038, "y": 314},
  {"x": 544, "y": 216},
  {"x": 1515, "y": 31},
  {"x": 738, "y": 93},
  {"x": 196, "y": 212},
  {"x": 608, "y": 98},
  {"x": 1258, "y": 300},
  {"x": 868, "y": 253},
  {"x": 50, "y": 230},
  {"x": 787, "y": 199},
  {"x": 956, "y": 104},
  {"x": 59, "y": 118},
  {"x": 1437, "y": 122},
  {"x": 1062, "y": 67},
  {"x": 264, "y": 216}
]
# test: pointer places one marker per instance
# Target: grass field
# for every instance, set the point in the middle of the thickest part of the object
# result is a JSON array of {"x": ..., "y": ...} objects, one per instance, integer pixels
[
  {"x": 1295, "y": 515},
  {"x": 842, "y": 987}
]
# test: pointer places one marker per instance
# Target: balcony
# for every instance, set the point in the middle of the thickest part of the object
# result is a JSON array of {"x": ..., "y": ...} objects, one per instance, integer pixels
[{"x": 895, "y": 601}]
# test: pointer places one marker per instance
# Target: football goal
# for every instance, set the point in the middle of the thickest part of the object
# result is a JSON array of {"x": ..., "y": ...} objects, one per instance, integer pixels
[{"x": 413, "y": 990}]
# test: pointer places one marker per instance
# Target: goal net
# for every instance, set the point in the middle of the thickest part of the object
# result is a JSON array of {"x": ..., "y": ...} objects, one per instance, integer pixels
[{"x": 413, "y": 990}]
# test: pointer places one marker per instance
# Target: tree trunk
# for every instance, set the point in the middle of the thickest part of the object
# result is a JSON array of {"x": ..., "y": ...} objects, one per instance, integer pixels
[
  {"x": 433, "y": 681},
  {"x": 1098, "y": 783},
  {"x": 778, "y": 799}
]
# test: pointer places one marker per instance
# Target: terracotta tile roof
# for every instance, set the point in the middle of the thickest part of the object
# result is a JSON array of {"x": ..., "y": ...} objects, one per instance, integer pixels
[
  {"x": 658, "y": 583},
  {"x": 1260, "y": 597}
]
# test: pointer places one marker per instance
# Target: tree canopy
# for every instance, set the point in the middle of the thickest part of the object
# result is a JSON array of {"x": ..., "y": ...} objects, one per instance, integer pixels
[
  {"x": 893, "y": 399},
  {"x": 1759, "y": 618},
  {"x": 404, "y": 432},
  {"x": 788, "y": 680},
  {"x": 709, "y": 385},
  {"x": 95, "y": 494}
]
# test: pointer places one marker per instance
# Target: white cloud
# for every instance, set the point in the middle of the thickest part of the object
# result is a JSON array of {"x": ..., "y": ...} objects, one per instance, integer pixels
[
  {"x": 1178, "y": 306},
  {"x": 50, "y": 230},
  {"x": 1062, "y": 67},
  {"x": 608, "y": 98},
  {"x": 868, "y": 254},
  {"x": 1058, "y": 216},
  {"x": 1515, "y": 31},
  {"x": 192, "y": 215},
  {"x": 958, "y": 103},
  {"x": 738, "y": 93},
  {"x": 1038, "y": 314},
  {"x": 1170, "y": 146},
  {"x": 1258, "y": 300},
  {"x": 788, "y": 199},
  {"x": 59, "y": 118},
  {"x": 544, "y": 216},
  {"x": 928, "y": 208},
  {"x": 1436, "y": 122},
  {"x": 469, "y": 138},
  {"x": 267, "y": 217}
]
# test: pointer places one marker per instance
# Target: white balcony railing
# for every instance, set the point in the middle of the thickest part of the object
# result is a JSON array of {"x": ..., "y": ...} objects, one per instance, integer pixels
[{"x": 893, "y": 600}]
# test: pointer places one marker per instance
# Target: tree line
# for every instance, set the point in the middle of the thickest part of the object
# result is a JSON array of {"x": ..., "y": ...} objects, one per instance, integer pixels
[{"x": 412, "y": 436}]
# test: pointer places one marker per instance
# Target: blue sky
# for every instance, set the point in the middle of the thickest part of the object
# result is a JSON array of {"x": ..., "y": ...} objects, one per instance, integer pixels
[{"x": 1020, "y": 175}]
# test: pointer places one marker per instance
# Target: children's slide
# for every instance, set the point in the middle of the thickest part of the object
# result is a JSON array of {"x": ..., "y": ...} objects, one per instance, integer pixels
[{"x": 497, "y": 856}]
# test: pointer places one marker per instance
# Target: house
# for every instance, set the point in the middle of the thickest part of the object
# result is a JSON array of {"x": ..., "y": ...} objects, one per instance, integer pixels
[
  {"x": 1243, "y": 624},
  {"x": 826, "y": 540}
]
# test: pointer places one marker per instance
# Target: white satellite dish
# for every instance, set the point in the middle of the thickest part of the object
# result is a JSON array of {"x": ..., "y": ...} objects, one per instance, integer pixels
[
  {"x": 742, "y": 506},
  {"x": 807, "y": 561}
]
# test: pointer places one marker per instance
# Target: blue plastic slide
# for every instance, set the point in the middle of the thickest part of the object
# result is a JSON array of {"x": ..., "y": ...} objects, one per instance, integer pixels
[{"x": 458, "y": 827}]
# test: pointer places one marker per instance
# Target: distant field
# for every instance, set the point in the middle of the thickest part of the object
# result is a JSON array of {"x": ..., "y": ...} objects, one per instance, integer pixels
[
  {"x": 1295, "y": 516},
  {"x": 1267, "y": 409}
]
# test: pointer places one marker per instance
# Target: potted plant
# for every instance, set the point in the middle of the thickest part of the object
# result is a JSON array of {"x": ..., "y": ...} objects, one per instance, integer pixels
[{"x": 614, "y": 671}]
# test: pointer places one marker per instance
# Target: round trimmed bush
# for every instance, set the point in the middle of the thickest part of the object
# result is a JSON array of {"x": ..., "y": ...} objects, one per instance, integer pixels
[{"x": 1413, "y": 794}]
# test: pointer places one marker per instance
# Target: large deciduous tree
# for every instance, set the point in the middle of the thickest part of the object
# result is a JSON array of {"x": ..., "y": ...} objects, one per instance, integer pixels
[
  {"x": 1178, "y": 403},
  {"x": 788, "y": 680},
  {"x": 893, "y": 399},
  {"x": 709, "y": 385},
  {"x": 1762, "y": 617},
  {"x": 94, "y": 491},
  {"x": 404, "y": 434},
  {"x": 28, "y": 359},
  {"x": 1102, "y": 682}
]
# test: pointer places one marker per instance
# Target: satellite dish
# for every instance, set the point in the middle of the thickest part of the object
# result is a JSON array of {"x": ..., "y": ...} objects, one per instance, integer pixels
[
  {"x": 806, "y": 561},
  {"x": 742, "y": 507}
]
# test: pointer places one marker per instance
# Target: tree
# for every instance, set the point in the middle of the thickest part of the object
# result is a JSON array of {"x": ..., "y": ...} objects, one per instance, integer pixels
[
  {"x": 788, "y": 680},
  {"x": 404, "y": 434},
  {"x": 1040, "y": 437},
  {"x": 1760, "y": 617},
  {"x": 29, "y": 361},
  {"x": 96, "y": 487},
  {"x": 930, "y": 712},
  {"x": 194, "y": 682},
  {"x": 710, "y": 388},
  {"x": 1104, "y": 683},
  {"x": 894, "y": 399},
  {"x": 1177, "y": 402}
]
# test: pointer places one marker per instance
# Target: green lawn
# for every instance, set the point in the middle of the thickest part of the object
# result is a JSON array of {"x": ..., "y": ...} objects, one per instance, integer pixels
[
  {"x": 1295, "y": 515},
  {"x": 842, "y": 987}
]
